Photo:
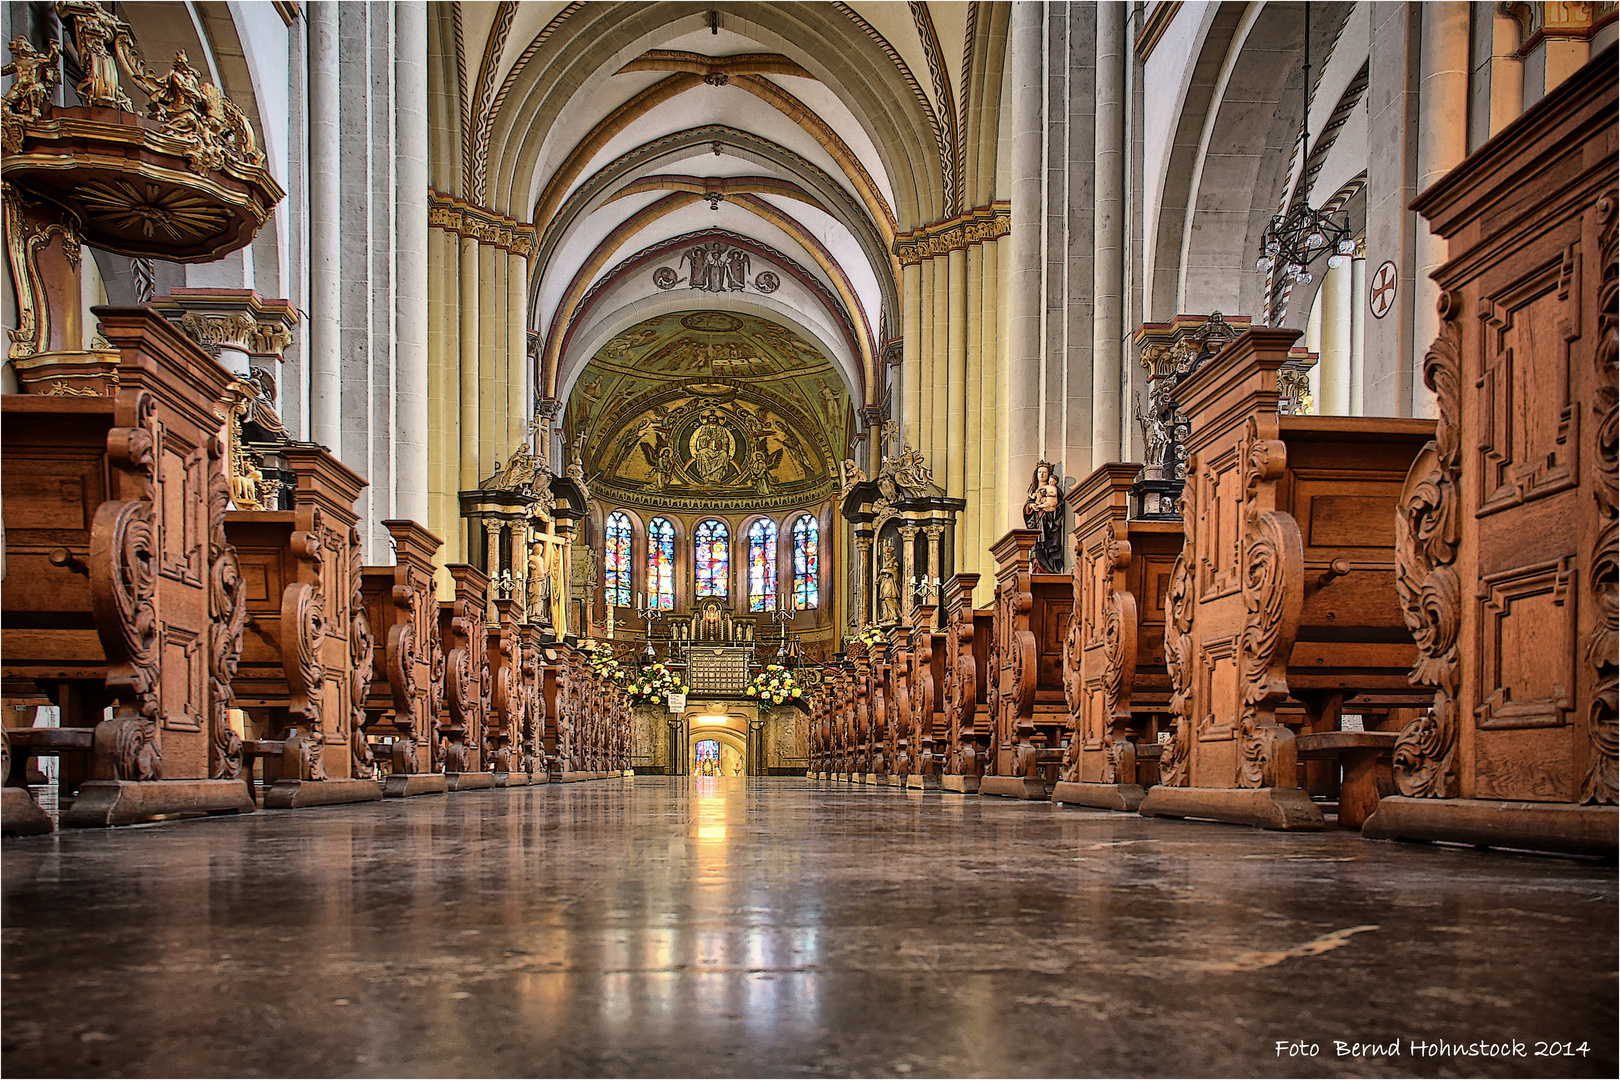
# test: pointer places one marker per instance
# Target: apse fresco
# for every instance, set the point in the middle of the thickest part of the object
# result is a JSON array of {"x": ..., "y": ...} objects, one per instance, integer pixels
[{"x": 710, "y": 410}]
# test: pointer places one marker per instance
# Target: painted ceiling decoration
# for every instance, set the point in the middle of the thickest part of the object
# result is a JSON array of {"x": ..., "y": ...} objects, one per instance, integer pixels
[{"x": 709, "y": 410}]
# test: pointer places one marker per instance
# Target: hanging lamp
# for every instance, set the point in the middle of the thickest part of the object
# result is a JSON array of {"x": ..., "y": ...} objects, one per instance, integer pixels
[{"x": 1295, "y": 240}]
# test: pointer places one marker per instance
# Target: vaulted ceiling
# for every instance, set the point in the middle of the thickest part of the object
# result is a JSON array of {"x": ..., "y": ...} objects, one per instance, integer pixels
[{"x": 805, "y": 136}]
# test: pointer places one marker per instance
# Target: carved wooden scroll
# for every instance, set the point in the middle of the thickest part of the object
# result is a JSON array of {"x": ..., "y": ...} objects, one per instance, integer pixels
[
  {"x": 227, "y": 609},
  {"x": 124, "y": 566},
  {"x": 1015, "y": 754},
  {"x": 1427, "y": 532},
  {"x": 923, "y": 694},
  {"x": 902, "y": 704},
  {"x": 303, "y": 633},
  {"x": 1101, "y": 651},
  {"x": 403, "y": 614},
  {"x": 1603, "y": 640},
  {"x": 879, "y": 761},
  {"x": 962, "y": 757},
  {"x": 362, "y": 648}
]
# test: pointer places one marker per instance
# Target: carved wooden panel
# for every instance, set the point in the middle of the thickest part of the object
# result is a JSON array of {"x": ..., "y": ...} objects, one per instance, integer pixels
[{"x": 1508, "y": 534}]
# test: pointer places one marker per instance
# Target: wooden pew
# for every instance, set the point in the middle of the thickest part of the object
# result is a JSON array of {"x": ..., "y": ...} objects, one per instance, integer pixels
[
  {"x": 119, "y": 574},
  {"x": 898, "y": 707},
  {"x": 868, "y": 704},
  {"x": 1026, "y": 697},
  {"x": 550, "y": 694},
  {"x": 468, "y": 684},
  {"x": 305, "y": 640},
  {"x": 1508, "y": 523},
  {"x": 878, "y": 715},
  {"x": 927, "y": 687},
  {"x": 967, "y": 637},
  {"x": 408, "y": 670},
  {"x": 1114, "y": 675},
  {"x": 511, "y": 698},
  {"x": 1284, "y": 585}
]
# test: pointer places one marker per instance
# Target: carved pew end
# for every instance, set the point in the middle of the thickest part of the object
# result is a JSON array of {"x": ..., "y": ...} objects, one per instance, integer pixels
[{"x": 1266, "y": 808}]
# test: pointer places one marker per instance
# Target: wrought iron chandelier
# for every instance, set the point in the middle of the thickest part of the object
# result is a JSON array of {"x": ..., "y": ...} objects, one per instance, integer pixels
[{"x": 1295, "y": 240}]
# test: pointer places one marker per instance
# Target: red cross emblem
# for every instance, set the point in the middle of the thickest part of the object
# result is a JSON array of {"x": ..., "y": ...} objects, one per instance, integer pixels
[{"x": 1381, "y": 290}]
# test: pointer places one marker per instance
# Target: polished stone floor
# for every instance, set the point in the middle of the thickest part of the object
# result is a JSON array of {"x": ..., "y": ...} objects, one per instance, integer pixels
[{"x": 673, "y": 927}]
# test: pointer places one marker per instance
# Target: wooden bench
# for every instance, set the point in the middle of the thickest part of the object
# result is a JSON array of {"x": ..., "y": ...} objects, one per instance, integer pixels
[
  {"x": 1115, "y": 682},
  {"x": 469, "y": 681},
  {"x": 119, "y": 574},
  {"x": 967, "y": 724},
  {"x": 408, "y": 671},
  {"x": 1509, "y": 522},
  {"x": 306, "y": 635},
  {"x": 1025, "y": 668},
  {"x": 1284, "y": 586}
]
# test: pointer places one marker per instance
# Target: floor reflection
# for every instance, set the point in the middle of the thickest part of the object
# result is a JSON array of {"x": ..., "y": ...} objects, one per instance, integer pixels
[{"x": 702, "y": 926}]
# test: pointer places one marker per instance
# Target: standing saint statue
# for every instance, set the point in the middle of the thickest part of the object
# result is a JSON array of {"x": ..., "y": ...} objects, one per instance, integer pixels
[
  {"x": 888, "y": 590},
  {"x": 1043, "y": 512},
  {"x": 539, "y": 585}
]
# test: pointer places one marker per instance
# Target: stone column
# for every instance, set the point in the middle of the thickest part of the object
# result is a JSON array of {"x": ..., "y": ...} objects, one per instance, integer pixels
[
  {"x": 1108, "y": 325},
  {"x": 519, "y": 399},
  {"x": 468, "y": 361},
  {"x": 863, "y": 585},
  {"x": 970, "y": 431},
  {"x": 1358, "y": 328},
  {"x": 908, "y": 570},
  {"x": 1442, "y": 143},
  {"x": 410, "y": 259},
  {"x": 1021, "y": 405},
  {"x": 1392, "y": 112},
  {"x": 1337, "y": 301},
  {"x": 911, "y": 353},
  {"x": 935, "y": 532},
  {"x": 325, "y": 229},
  {"x": 954, "y": 379}
]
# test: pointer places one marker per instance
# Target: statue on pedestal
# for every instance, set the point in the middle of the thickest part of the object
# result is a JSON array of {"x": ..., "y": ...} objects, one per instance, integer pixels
[
  {"x": 1043, "y": 512},
  {"x": 888, "y": 590}
]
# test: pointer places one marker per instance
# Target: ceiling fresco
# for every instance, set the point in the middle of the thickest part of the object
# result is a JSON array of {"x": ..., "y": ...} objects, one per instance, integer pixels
[{"x": 709, "y": 410}]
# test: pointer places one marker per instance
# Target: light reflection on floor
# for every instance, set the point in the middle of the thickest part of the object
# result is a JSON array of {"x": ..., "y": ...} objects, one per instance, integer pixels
[{"x": 723, "y": 926}]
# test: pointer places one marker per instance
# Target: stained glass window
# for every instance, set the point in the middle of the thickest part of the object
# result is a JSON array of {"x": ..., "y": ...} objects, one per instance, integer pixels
[
  {"x": 616, "y": 559},
  {"x": 806, "y": 580},
  {"x": 661, "y": 564},
  {"x": 762, "y": 565},
  {"x": 713, "y": 557}
]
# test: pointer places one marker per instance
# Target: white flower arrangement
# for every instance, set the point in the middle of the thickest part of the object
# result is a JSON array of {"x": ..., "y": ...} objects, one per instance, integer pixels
[
  {"x": 653, "y": 684},
  {"x": 600, "y": 656},
  {"x": 775, "y": 686}
]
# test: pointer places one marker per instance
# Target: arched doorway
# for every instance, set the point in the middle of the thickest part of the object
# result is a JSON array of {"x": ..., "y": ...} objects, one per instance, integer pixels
[{"x": 715, "y": 739}]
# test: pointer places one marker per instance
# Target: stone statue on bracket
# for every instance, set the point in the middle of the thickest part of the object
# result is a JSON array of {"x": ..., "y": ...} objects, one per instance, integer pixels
[
  {"x": 888, "y": 589},
  {"x": 539, "y": 585},
  {"x": 1043, "y": 512}
]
